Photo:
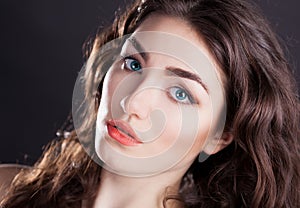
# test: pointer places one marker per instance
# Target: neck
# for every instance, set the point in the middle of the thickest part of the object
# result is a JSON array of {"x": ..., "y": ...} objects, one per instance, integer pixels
[{"x": 120, "y": 191}]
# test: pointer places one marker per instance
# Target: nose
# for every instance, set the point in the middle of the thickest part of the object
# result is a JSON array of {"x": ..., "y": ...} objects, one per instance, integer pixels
[{"x": 141, "y": 102}]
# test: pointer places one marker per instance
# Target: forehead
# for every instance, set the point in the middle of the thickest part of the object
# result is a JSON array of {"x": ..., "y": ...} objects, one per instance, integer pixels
[
  {"x": 175, "y": 26},
  {"x": 172, "y": 41},
  {"x": 184, "y": 31}
]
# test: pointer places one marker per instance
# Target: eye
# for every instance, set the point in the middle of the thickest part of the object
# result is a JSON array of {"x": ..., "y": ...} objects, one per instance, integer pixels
[
  {"x": 181, "y": 95},
  {"x": 131, "y": 64}
]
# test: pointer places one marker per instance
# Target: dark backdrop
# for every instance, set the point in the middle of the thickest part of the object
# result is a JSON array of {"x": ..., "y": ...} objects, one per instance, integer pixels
[{"x": 41, "y": 56}]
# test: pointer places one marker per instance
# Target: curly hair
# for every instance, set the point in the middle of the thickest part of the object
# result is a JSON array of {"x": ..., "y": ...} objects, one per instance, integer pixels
[{"x": 260, "y": 168}]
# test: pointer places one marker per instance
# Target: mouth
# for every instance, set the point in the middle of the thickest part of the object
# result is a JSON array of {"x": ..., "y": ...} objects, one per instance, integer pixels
[{"x": 122, "y": 133}]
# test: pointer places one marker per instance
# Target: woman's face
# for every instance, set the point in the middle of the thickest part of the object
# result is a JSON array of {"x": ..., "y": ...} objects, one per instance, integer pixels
[{"x": 156, "y": 111}]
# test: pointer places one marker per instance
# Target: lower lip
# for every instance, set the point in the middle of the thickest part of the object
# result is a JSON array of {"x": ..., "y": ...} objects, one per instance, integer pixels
[{"x": 121, "y": 137}]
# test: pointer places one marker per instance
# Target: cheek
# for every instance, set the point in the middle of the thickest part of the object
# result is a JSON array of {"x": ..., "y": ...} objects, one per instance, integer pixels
[
  {"x": 171, "y": 130},
  {"x": 204, "y": 126},
  {"x": 185, "y": 128},
  {"x": 110, "y": 81},
  {"x": 194, "y": 131},
  {"x": 184, "y": 135},
  {"x": 110, "y": 84}
]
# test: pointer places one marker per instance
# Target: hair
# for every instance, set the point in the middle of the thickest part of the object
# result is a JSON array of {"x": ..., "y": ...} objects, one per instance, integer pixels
[{"x": 260, "y": 168}]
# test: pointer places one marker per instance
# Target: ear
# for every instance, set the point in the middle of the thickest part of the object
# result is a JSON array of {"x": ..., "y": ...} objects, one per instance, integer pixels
[{"x": 217, "y": 144}]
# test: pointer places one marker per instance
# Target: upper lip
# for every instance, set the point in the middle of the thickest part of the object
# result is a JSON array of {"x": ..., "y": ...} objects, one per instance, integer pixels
[{"x": 123, "y": 127}]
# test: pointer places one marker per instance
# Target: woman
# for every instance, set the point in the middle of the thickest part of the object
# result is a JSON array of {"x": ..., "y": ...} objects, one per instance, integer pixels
[{"x": 252, "y": 163}]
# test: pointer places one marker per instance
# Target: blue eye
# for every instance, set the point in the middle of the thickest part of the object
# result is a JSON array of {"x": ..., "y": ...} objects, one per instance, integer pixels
[
  {"x": 181, "y": 95},
  {"x": 132, "y": 64}
]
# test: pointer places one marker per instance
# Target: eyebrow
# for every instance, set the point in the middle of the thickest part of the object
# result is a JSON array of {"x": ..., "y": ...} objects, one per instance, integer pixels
[
  {"x": 138, "y": 46},
  {"x": 186, "y": 74}
]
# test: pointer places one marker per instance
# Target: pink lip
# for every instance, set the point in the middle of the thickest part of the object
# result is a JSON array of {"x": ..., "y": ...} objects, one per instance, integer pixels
[{"x": 122, "y": 132}]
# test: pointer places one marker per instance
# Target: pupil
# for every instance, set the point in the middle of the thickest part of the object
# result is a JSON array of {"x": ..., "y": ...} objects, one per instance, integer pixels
[{"x": 180, "y": 94}]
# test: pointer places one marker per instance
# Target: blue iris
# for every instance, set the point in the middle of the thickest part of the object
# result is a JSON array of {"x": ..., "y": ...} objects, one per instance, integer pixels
[
  {"x": 132, "y": 64},
  {"x": 181, "y": 95}
]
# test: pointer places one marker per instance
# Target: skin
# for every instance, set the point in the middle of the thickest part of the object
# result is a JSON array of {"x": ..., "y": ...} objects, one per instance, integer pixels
[{"x": 132, "y": 107}]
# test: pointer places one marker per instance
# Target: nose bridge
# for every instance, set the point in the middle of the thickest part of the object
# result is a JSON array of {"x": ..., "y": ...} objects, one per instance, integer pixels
[{"x": 143, "y": 98}]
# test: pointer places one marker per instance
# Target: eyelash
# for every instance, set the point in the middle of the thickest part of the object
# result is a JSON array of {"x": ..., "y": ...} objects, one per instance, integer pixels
[{"x": 190, "y": 98}]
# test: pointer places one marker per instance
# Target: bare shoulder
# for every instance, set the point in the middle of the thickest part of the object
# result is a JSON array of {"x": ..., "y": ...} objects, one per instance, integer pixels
[{"x": 7, "y": 174}]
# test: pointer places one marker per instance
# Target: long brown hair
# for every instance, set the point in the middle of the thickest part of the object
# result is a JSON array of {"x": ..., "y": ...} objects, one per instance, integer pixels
[{"x": 259, "y": 169}]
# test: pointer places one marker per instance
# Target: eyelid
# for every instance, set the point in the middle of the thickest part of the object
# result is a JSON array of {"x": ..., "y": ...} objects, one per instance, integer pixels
[
  {"x": 136, "y": 55},
  {"x": 189, "y": 95}
]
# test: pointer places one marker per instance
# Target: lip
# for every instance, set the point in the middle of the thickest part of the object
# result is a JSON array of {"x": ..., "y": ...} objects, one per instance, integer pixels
[{"x": 122, "y": 132}]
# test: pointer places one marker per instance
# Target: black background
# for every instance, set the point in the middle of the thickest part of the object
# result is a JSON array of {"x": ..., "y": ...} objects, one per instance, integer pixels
[{"x": 41, "y": 55}]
